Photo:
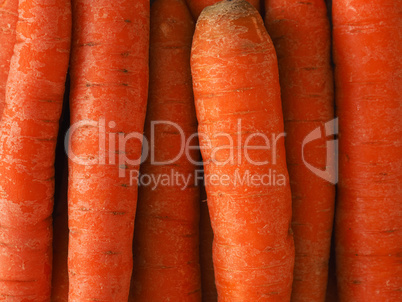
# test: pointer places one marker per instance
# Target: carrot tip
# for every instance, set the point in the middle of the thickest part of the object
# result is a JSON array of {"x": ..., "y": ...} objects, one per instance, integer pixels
[{"x": 229, "y": 8}]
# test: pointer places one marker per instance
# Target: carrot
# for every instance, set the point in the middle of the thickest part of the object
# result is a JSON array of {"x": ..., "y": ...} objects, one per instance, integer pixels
[
  {"x": 367, "y": 44},
  {"x": 196, "y": 6},
  {"x": 237, "y": 97},
  {"x": 28, "y": 135},
  {"x": 109, "y": 84},
  {"x": 301, "y": 36},
  {"x": 8, "y": 22},
  {"x": 208, "y": 287},
  {"x": 166, "y": 239}
]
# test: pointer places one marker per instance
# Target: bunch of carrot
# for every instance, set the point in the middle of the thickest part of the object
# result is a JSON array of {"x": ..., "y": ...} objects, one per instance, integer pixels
[{"x": 189, "y": 85}]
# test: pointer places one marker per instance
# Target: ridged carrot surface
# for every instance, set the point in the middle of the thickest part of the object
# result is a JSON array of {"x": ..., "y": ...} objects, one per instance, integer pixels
[
  {"x": 166, "y": 239},
  {"x": 29, "y": 128},
  {"x": 109, "y": 86},
  {"x": 367, "y": 47},
  {"x": 8, "y": 23},
  {"x": 235, "y": 76},
  {"x": 301, "y": 35}
]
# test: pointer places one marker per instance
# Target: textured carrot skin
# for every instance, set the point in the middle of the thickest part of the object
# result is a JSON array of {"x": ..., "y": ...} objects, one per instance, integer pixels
[
  {"x": 367, "y": 44},
  {"x": 28, "y": 135},
  {"x": 235, "y": 75},
  {"x": 166, "y": 240},
  {"x": 208, "y": 287},
  {"x": 196, "y": 6},
  {"x": 109, "y": 79},
  {"x": 301, "y": 36},
  {"x": 8, "y": 22}
]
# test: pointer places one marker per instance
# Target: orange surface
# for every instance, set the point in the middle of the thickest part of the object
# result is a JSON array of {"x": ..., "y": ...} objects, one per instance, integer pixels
[
  {"x": 166, "y": 239},
  {"x": 8, "y": 23},
  {"x": 301, "y": 35},
  {"x": 235, "y": 76},
  {"x": 29, "y": 128},
  {"x": 367, "y": 47},
  {"x": 109, "y": 80}
]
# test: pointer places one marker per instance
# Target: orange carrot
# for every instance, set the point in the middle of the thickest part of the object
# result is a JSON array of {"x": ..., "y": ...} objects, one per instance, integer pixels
[
  {"x": 237, "y": 96},
  {"x": 367, "y": 46},
  {"x": 196, "y": 6},
  {"x": 109, "y": 85},
  {"x": 166, "y": 240},
  {"x": 301, "y": 36},
  {"x": 29, "y": 128},
  {"x": 8, "y": 22},
  {"x": 208, "y": 287}
]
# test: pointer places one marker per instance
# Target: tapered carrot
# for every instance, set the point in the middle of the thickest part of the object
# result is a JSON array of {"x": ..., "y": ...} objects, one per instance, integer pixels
[
  {"x": 196, "y": 6},
  {"x": 238, "y": 105},
  {"x": 8, "y": 22},
  {"x": 208, "y": 286},
  {"x": 109, "y": 84},
  {"x": 28, "y": 135},
  {"x": 301, "y": 36},
  {"x": 367, "y": 45},
  {"x": 166, "y": 239}
]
